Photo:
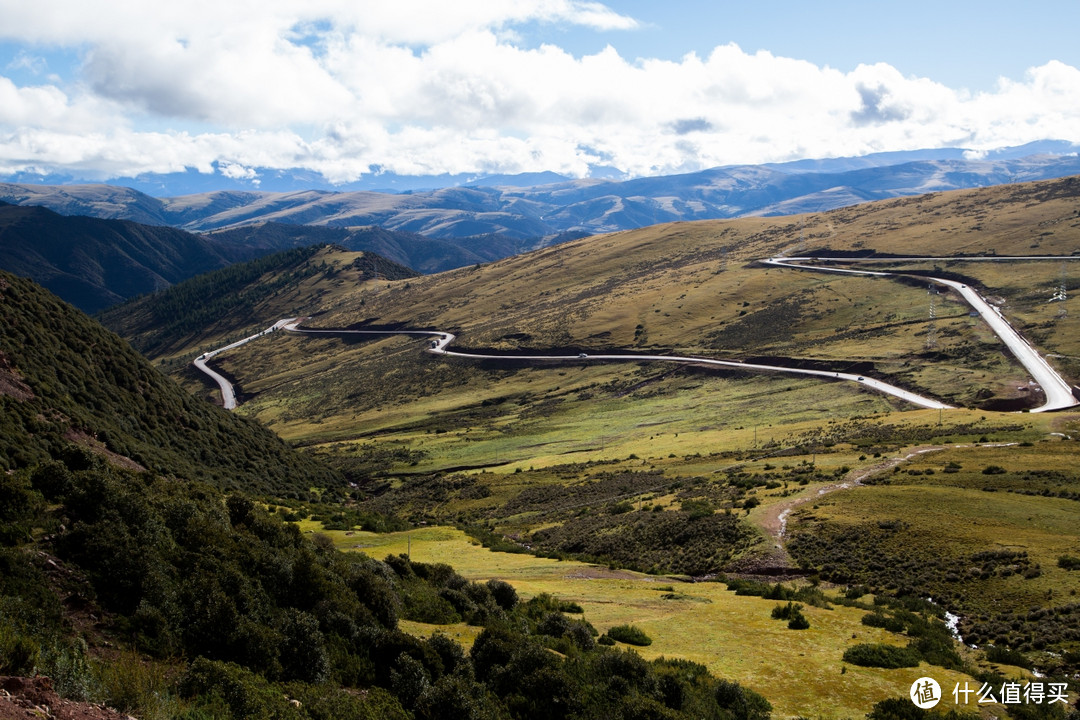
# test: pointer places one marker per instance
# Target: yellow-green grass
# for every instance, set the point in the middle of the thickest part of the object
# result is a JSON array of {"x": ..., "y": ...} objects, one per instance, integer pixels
[
  {"x": 320, "y": 390},
  {"x": 800, "y": 672},
  {"x": 956, "y": 515},
  {"x": 672, "y": 411},
  {"x": 461, "y": 633},
  {"x": 690, "y": 287}
]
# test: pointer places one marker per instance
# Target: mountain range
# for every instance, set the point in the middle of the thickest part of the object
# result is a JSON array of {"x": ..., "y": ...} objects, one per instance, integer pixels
[
  {"x": 94, "y": 263},
  {"x": 537, "y": 214}
]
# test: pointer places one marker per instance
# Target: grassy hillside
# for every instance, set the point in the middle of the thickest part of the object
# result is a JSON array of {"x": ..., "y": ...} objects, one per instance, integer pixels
[
  {"x": 235, "y": 299},
  {"x": 693, "y": 471},
  {"x": 691, "y": 288},
  {"x": 410, "y": 249},
  {"x": 95, "y": 263},
  {"x": 70, "y": 387}
]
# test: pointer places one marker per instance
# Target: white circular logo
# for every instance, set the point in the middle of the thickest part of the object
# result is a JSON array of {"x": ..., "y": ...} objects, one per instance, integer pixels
[{"x": 925, "y": 692}]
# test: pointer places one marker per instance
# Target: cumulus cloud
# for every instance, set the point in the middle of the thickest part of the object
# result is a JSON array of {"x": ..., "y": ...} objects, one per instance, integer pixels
[{"x": 348, "y": 87}]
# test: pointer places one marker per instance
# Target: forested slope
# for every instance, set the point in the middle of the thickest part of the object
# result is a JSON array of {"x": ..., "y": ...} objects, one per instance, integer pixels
[
  {"x": 67, "y": 382},
  {"x": 229, "y": 300}
]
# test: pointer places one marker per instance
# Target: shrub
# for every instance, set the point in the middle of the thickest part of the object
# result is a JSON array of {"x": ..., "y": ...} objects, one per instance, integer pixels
[
  {"x": 246, "y": 694},
  {"x": 1068, "y": 562},
  {"x": 630, "y": 635},
  {"x": 877, "y": 619},
  {"x": 504, "y": 594},
  {"x": 741, "y": 702},
  {"x": 1006, "y": 656},
  {"x": 882, "y": 656},
  {"x": 786, "y": 612},
  {"x": 798, "y": 622},
  {"x": 18, "y": 653},
  {"x": 792, "y": 612}
]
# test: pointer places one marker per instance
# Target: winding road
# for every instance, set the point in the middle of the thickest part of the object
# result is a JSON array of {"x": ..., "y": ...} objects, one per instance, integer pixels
[{"x": 1058, "y": 393}]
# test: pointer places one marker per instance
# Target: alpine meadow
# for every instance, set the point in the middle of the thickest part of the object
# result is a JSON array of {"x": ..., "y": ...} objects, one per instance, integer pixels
[
  {"x": 692, "y": 503},
  {"x": 539, "y": 360}
]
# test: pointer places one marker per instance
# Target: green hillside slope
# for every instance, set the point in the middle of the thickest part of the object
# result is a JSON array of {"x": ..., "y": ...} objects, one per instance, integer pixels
[
  {"x": 693, "y": 471},
  {"x": 66, "y": 382},
  {"x": 95, "y": 263},
  {"x": 132, "y": 583},
  {"x": 243, "y": 297}
]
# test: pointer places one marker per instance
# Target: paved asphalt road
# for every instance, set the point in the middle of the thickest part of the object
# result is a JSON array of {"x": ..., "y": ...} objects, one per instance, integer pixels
[{"x": 1058, "y": 393}]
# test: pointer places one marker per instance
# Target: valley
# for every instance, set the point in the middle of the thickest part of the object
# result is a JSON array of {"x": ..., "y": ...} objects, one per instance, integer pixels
[
  {"x": 548, "y": 360},
  {"x": 689, "y": 429},
  {"x": 684, "y": 471}
]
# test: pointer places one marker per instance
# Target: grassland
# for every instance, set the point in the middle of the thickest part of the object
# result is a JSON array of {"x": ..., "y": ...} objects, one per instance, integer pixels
[
  {"x": 800, "y": 672},
  {"x": 689, "y": 288},
  {"x": 585, "y": 460}
]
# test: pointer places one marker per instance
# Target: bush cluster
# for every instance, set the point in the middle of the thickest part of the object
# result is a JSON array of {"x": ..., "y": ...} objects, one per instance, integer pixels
[
  {"x": 792, "y": 612},
  {"x": 268, "y": 623}
]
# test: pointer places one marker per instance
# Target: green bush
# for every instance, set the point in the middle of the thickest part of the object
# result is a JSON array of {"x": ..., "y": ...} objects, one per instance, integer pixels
[
  {"x": 786, "y": 612},
  {"x": 1068, "y": 562},
  {"x": 18, "y": 653},
  {"x": 798, "y": 622},
  {"x": 630, "y": 635},
  {"x": 792, "y": 612},
  {"x": 1006, "y": 656},
  {"x": 882, "y": 656},
  {"x": 246, "y": 694},
  {"x": 879, "y": 620},
  {"x": 503, "y": 593}
]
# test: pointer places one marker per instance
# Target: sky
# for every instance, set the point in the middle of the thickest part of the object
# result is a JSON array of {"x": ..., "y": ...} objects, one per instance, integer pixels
[{"x": 353, "y": 88}]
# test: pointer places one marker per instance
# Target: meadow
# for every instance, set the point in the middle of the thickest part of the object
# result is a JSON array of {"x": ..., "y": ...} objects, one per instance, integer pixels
[
  {"x": 687, "y": 471},
  {"x": 799, "y": 672}
]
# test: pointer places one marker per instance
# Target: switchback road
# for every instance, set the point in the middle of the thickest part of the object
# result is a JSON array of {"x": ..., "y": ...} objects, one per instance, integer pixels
[{"x": 1058, "y": 392}]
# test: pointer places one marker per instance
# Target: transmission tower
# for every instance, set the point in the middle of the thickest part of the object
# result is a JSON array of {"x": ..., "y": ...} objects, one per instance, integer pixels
[
  {"x": 931, "y": 328},
  {"x": 1060, "y": 293}
]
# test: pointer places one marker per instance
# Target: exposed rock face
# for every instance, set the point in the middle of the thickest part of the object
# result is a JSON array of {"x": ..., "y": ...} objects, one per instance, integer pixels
[{"x": 22, "y": 697}]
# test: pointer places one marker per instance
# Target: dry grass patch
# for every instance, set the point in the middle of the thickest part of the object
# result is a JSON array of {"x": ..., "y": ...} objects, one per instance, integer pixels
[{"x": 734, "y": 636}]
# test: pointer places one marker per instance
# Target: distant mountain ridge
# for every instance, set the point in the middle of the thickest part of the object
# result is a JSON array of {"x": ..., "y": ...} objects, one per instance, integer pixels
[
  {"x": 537, "y": 213},
  {"x": 94, "y": 263}
]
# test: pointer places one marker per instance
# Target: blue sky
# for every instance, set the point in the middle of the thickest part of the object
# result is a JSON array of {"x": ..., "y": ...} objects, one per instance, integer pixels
[
  {"x": 344, "y": 88},
  {"x": 960, "y": 44}
]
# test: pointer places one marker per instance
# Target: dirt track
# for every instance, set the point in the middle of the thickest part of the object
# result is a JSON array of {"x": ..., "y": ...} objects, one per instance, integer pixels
[{"x": 775, "y": 518}]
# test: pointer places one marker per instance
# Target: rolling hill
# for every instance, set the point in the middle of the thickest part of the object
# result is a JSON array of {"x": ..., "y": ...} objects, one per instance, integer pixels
[
  {"x": 94, "y": 263},
  {"x": 422, "y": 253},
  {"x": 243, "y": 298},
  {"x": 589, "y": 206},
  {"x": 686, "y": 472},
  {"x": 67, "y": 385}
]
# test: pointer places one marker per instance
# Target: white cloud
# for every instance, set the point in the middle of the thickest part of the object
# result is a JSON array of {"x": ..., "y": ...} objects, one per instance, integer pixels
[
  {"x": 426, "y": 86},
  {"x": 34, "y": 64}
]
